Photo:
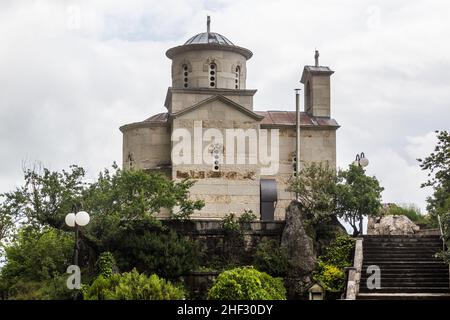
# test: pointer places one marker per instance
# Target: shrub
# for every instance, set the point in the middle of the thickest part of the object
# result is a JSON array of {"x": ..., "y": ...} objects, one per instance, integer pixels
[
  {"x": 272, "y": 258},
  {"x": 132, "y": 286},
  {"x": 106, "y": 264},
  {"x": 411, "y": 211},
  {"x": 246, "y": 283},
  {"x": 330, "y": 270},
  {"x": 330, "y": 277},
  {"x": 340, "y": 252},
  {"x": 247, "y": 216},
  {"x": 229, "y": 223},
  {"x": 160, "y": 251}
]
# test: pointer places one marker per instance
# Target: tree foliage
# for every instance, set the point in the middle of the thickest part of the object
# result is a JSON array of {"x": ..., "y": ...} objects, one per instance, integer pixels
[
  {"x": 349, "y": 194},
  {"x": 357, "y": 195},
  {"x": 330, "y": 266},
  {"x": 36, "y": 263},
  {"x": 271, "y": 257},
  {"x": 316, "y": 189},
  {"x": 122, "y": 205},
  {"x": 438, "y": 166},
  {"x": 246, "y": 283}
]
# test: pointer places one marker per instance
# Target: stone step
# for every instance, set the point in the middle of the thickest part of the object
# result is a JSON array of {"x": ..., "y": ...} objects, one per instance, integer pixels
[
  {"x": 403, "y": 296},
  {"x": 419, "y": 245},
  {"x": 405, "y": 257},
  {"x": 406, "y": 236},
  {"x": 405, "y": 290},
  {"x": 406, "y": 266},
  {"x": 412, "y": 275},
  {"x": 401, "y": 271},
  {"x": 385, "y": 283}
]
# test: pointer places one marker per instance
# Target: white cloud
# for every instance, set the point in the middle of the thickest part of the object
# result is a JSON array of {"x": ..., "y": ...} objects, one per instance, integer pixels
[{"x": 72, "y": 72}]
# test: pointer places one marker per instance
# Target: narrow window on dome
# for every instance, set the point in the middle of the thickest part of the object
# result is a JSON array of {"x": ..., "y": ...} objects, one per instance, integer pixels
[
  {"x": 212, "y": 75},
  {"x": 185, "y": 71},
  {"x": 237, "y": 80}
]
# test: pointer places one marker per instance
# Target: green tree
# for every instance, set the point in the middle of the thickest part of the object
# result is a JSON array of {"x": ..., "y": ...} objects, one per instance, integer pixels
[
  {"x": 246, "y": 283},
  {"x": 438, "y": 166},
  {"x": 132, "y": 286},
  {"x": 316, "y": 189},
  {"x": 36, "y": 264},
  {"x": 357, "y": 195},
  {"x": 122, "y": 205}
]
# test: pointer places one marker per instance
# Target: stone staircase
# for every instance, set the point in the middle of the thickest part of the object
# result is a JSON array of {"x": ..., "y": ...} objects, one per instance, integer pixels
[{"x": 408, "y": 268}]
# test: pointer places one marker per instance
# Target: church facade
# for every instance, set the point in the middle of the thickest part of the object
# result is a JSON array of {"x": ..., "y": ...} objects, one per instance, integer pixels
[{"x": 209, "y": 97}]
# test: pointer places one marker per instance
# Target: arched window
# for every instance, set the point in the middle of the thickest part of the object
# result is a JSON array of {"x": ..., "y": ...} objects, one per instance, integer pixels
[
  {"x": 308, "y": 97},
  {"x": 212, "y": 75},
  {"x": 237, "y": 80},
  {"x": 185, "y": 71}
]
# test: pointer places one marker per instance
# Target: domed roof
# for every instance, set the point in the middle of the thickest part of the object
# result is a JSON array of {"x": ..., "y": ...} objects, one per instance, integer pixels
[
  {"x": 209, "y": 37},
  {"x": 208, "y": 40}
]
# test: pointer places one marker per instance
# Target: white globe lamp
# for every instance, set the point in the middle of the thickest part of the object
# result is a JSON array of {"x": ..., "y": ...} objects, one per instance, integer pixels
[
  {"x": 82, "y": 218},
  {"x": 70, "y": 219}
]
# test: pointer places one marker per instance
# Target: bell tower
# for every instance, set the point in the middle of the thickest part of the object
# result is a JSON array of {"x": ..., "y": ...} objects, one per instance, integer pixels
[{"x": 316, "y": 80}]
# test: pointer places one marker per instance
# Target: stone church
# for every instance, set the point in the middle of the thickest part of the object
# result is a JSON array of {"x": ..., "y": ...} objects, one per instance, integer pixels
[{"x": 209, "y": 91}]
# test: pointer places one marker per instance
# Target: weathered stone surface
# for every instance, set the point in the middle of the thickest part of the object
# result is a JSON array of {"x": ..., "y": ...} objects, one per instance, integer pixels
[
  {"x": 301, "y": 252},
  {"x": 391, "y": 225}
]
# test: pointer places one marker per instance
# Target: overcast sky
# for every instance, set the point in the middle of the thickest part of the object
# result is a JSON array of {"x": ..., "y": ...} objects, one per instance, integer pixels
[{"x": 72, "y": 72}]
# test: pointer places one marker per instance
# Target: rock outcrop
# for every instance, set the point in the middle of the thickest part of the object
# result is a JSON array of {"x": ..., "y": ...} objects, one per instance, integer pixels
[
  {"x": 391, "y": 225},
  {"x": 300, "y": 247}
]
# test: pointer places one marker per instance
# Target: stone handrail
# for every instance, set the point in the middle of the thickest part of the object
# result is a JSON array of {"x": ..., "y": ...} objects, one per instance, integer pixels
[{"x": 354, "y": 273}]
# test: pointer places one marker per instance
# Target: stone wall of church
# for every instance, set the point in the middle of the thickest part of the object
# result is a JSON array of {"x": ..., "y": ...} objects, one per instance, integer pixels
[
  {"x": 232, "y": 188},
  {"x": 146, "y": 146},
  {"x": 198, "y": 70},
  {"x": 316, "y": 145},
  {"x": 182, "y": 99}
]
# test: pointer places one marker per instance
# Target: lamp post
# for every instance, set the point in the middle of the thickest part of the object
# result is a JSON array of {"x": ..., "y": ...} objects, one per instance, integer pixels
[
  {"x": 77, "y": 220},
  {"x": 362, "y": 162}
]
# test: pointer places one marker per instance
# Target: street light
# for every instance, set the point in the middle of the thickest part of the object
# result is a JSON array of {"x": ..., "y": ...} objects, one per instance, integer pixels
[
  {"x": 80, "y": 219},
  {"x": 361, "y": 160}
]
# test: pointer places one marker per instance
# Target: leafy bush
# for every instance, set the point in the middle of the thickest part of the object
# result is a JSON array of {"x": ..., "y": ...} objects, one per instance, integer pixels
[
  {"x": 340, "y": 252},
  {"x": 132, "y": 286},
  {"x": 272, "y": 258},
  {"x": 36, "y": 265},
  {"x": 246, "y": 283},
  {"x": 330, "y": 277},
  {"x": 247, "y": 216},
  {"x": 161, "y": 251},
  {"x": 229, "y": 223},
  {"x": 106, "y": 264},
  {"x": 330, "y": 270}
]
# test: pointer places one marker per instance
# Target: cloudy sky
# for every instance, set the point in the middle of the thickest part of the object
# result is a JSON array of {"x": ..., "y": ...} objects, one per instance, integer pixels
[{"x": 72, "y": 72}]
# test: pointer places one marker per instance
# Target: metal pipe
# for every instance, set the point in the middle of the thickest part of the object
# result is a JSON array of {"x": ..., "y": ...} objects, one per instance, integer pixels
[{"x": 297, "y": 121}]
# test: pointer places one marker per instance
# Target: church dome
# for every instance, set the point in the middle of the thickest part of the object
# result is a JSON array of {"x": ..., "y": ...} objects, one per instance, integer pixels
[
  {"x": 208, "y": 40},
  {"x": 209, "y": 37}
]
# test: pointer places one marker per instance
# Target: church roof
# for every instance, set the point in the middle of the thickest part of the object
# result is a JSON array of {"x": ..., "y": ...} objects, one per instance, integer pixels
[
  {"x": 271, "y": 118},
  {"x": 211, "y": 37},
  {"x": 208, "y": 40},
  {"x": 288, "y": 118}
]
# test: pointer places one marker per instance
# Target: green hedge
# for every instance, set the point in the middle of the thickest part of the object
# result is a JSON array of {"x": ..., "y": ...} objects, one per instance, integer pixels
[{"x": 246, "y": 283}]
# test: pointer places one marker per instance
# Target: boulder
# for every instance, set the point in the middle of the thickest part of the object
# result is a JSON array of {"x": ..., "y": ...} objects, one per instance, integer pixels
[
  {"x": 300, "y": 247},
  {"x": 391, "y": 225}
]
